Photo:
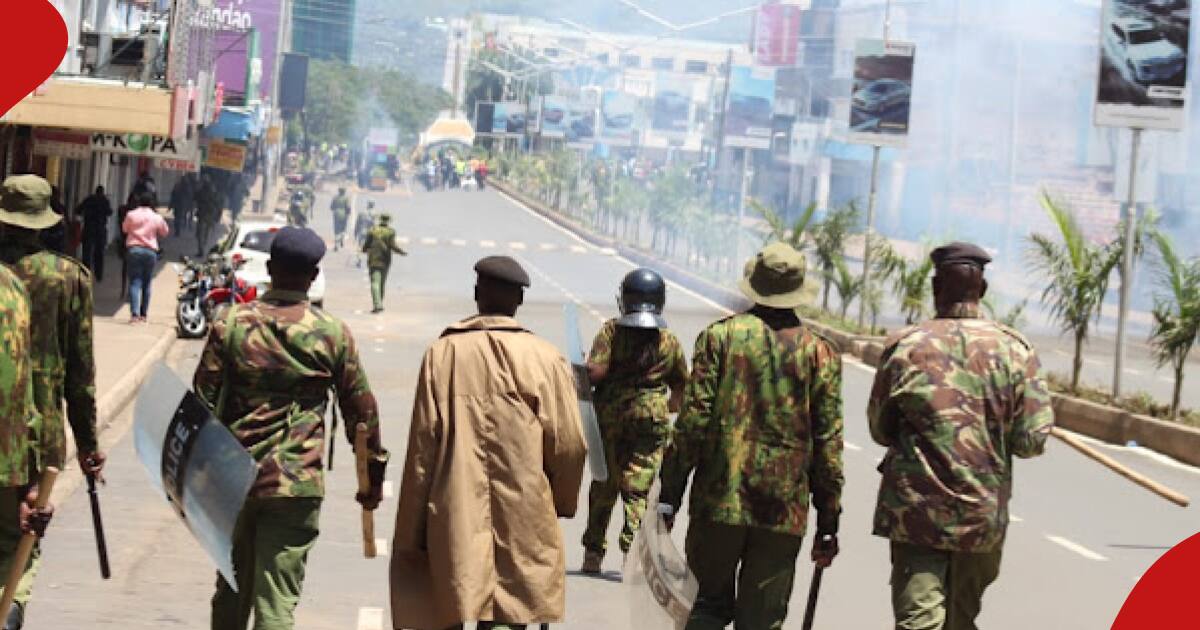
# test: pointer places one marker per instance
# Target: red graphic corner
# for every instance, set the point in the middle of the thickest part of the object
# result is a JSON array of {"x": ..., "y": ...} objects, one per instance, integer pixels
[
  {"x": 33, "y": 41},
  {"x": 1165, "y": 597}
]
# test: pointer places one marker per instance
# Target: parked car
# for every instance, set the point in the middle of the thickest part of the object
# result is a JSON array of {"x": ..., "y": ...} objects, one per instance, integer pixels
[
  {"x": 878, "y": 96},
  {"x": 553, "y": 116},
  {"x": 1137, "y": 49},
  {"x": 251, "y": 241}
]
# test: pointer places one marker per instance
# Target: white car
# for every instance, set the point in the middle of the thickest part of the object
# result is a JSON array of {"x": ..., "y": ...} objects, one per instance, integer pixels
[
  {"x": 251, "y": 240},
  {"x": 1141, "y": 52}
]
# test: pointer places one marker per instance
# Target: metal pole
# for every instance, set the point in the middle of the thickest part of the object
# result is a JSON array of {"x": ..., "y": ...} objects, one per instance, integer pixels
[
  {"x": 866, "y": 277},
  {"x": 1127, "y": 262},
  {"x": 737, "y": 233},
  {"x": 716, "y": 171}
]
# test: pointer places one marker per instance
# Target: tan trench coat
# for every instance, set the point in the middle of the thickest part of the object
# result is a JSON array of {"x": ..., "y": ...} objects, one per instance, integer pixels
[{"x": 495, "y": 453}]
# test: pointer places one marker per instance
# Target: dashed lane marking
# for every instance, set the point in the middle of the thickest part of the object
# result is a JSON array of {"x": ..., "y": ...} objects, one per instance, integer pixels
[
  {"x": 389, "y": 489},
  {"x": 851, "y": 446},
  {"x": 516, "y": 245},
  {"x": 381, "y": 547},
  {"x": 1132, "y": 371},
  {"x": 403, "y": 240},
  {"x": 561, "y": 289},
  {"x": 578, "y": 249},
  {"x": 429, "y": 240},
  {"x": 1076, "y": 547},
  {"x": 370, "y": 619},
  {"x": 547, "y": 247},
  {"x": 487, "y": 244},
  {"x": 458, "y": 242},
  {"x": 1015, "y": 519}
]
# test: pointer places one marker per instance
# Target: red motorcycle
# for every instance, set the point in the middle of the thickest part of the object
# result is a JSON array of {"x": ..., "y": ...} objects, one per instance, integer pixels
[{"x": 228, "y": 287}]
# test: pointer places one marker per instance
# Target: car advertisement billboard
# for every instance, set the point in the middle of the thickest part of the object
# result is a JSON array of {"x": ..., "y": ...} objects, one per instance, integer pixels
[
  {"x": 508, "y": 118},
  {"x": 751, "y": 103},
  {"x": 1143, "y": 64},
  {"x": 579, "y": 128},
  {"x": 881, "y": 99},
  {"x": 672, "y": 113},
  {"x": 554, "y": 117},
  {"x": 235, "y": 18},
  {"x": 617, "y": 112}
]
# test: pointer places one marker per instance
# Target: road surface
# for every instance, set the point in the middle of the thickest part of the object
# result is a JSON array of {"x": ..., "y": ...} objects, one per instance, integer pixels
[{"x": 1081, "y": 536}]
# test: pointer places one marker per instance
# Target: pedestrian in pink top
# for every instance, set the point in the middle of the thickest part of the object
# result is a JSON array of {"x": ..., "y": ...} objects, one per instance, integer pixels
[{"x": 142, "y": 228}]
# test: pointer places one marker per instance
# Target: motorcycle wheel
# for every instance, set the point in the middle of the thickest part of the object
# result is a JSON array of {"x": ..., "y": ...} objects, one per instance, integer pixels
[{"x": 190, "y": 319}]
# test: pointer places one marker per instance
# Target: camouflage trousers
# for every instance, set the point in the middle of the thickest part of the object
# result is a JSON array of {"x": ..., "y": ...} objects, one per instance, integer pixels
[
  {"x": 10, "y": 535},
  {"x": 633, "y": 448},
  {"x": 934, "y": 589}
]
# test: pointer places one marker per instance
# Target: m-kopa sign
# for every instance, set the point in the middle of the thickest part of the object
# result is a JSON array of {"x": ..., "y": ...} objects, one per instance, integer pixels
[{"x": 144, "y": 145}]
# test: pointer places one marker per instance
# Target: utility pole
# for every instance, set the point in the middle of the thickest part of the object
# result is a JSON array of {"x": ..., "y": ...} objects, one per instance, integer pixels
[
  {"x": 865, "y": 294},
  {"x": 720, "y": 140},
  {"x": 1127, "y": 262}
]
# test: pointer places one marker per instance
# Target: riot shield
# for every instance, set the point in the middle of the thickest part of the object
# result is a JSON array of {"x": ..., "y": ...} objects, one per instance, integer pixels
[
  {"x": 196, "y": 461},
  {"x": 661, "y": 587},
  {"x": 583, "y": 388}
]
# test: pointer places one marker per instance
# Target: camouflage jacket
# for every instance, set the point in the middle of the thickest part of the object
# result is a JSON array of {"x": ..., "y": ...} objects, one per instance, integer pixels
[
  {"x": 340, "y": 207},
  {"x": 60, "y": 299},
  {"x": 954, "y": 400},
  {"x": 637, "y": 386},
  {"x": 18, "y": 414},
  {"x": 761, "y": 425},
  {"x": 379, "y": 245},
  {"x": 279, "y": 357}
]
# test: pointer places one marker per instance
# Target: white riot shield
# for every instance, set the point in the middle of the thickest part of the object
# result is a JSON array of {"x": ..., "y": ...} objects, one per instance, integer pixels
[
  {"x": 661, "y": 587},
  {"x": 583, "y": 388},
  {"x": 195, "y": 460}
]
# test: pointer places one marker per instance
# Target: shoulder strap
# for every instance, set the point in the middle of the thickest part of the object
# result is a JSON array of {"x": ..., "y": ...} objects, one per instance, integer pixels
[{"x": 219, "y": 410}]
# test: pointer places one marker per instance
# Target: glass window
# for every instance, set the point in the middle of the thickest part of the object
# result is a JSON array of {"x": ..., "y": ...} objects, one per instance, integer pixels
[
  {"x": 663, "y": 63},
  {"x": 696, "y": 67},
  {"x": 631, "y": 61}
]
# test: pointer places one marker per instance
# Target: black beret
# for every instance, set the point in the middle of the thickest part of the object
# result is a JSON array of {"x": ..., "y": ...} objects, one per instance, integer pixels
[
  {"x": 297, "y": 247},
  {"x": 502, "y": 268},
  {"x": 959, "y": 253}
]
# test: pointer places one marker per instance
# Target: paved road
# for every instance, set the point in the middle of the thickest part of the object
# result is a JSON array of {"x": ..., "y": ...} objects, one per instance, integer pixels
[{"x": 1083, "y": 537}]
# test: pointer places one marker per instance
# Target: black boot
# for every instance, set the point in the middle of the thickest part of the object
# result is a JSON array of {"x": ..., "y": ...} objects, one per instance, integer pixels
[{"x": 16, "y": 617}]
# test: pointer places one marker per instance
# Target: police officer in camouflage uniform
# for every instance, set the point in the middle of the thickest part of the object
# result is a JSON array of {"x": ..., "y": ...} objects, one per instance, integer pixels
[
  {"x": 954, "y": 400},
  {"x": 639, "y": 371},
  {"x": 340, "y": 206},
  {"x": 761, "y": 427},
  {"x": 378, "y": 246},
  {"x": 60, "y": 295},
  {"x": 18, "y": 429},
  {"x": 266, "y": 371}
]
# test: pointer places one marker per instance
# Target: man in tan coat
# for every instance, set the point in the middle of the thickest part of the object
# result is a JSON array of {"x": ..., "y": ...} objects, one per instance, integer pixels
[{"x": 495, "y": 454}]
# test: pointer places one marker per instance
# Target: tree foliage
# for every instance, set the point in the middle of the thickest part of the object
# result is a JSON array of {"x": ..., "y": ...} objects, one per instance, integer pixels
[
  {"x": 910, "y": 279},
  {"x": 829, "y": 244},
  {"x": 1176, "y": 312},
  {"x": 345, "y": 101}
]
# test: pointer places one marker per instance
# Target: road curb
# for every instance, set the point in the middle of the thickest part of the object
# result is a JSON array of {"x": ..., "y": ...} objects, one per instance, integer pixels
[{"x": 1108, "y": 424}]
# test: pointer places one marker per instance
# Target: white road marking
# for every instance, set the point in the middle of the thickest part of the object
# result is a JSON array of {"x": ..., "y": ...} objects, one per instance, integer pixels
[
  {"x": 517, "y": 245},
  {"x": 1132, "y": 371},
  {"x": 552, "y": 224},
  {"x": 487, "y": 244},
  {"x": 359, "y": 312},
  {"x": 853, "y": 360},
  {"x": 381, "y": 547},
  {"x": 1076, "y": 547},
  {"x": 851, "y": 446},
  {"x": 458, "y": 242},
  {"x": 1062, "y": 353},
  {"x": 1139, "y": 450},
  {"x": 608, "y": 251},
  {"x": 403, "y": 240},
  {"x": 378, "y": 349},
  {"x": 389, "y": 489},
  {"x": 380, "y": 340},
  {"x": 1167, "y": 379},
  {"x": 1015, "y": 519},
  {"x": 561, "y": 289},
  {"x": 578, "y": 249},
  {"x": 547, "y": 247},
  {"x": 429, "y": 240},
  {"x": 370, "y": 619}
]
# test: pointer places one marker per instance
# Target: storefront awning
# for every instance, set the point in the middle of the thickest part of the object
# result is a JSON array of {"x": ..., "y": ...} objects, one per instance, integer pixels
[
  {"x": 96, "y": 105},
  {"x": 235, "y": 124}
]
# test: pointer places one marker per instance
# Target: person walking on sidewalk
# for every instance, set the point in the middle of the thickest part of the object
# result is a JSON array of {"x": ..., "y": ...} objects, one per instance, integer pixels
[
  {"x": 183, "y": 203},
  {"x": 96, "y": 211},
  {"x": 954, "y": 400},
  {"x": 379, "y": 245},
  {"x": 639, "y": 371},
  {"x": 267, "y": 369},
  {"x": 495, "y": 455},
  {"x": 341, "y": 217},
  {"x": 142, "y": 227},
  {"x": 761, "y": 426},
  {"x": 208, "y": 213},
  {"x": 64, "y": 370}
]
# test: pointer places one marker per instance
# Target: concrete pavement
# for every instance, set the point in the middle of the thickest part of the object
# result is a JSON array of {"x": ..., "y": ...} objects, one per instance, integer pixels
[{"x": 1080, "y": 539}]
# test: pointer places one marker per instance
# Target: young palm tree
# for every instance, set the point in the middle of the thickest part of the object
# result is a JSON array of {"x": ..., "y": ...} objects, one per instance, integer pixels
[
  {"x": 910, "y": 279},
  {"x": 779, "y": 229},
  {"x": 1012, "y": 317},
  {"x": 1077, "y": 275},
  {"x": 849, "y": 284},
  {"x": 1177, "y": 314},
  {"x": 829, "y": 242}
]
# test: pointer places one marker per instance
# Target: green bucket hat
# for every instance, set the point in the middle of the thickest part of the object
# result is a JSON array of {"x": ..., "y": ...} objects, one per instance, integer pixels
[
  {"x": 25, "y": 202},
  {"x": 385, "y": 218},
  {"x": 775, "y": 277}
]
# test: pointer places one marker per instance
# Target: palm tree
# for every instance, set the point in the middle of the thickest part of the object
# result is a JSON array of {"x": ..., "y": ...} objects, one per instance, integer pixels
[
  {"x": 1077, "y": 275},
  {"x": 778, "y": 228},
  {"x": 829, "y": 243},
  {"x": 1012, "y": 317},
  {"x": 849, "y": 285},
  {"x": 910, "y": 279},
  {"x": 1177, "y": 315}
]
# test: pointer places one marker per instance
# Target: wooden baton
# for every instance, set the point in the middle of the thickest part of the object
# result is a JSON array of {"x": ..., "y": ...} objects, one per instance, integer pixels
[
  {"x": 361, "y": 458},
  {"x": 25, "y": 546},
  {"x": 1153, "y": 486}
]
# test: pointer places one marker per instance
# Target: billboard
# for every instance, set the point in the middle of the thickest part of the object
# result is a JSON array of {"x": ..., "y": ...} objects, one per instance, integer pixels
[
  {"x": 580, "y": 125},
  {"x": 235, "y": 18},
  {"x": 672, "y": 113},
  {"x": 880, "y": 103},
  {"x": 554, "y": 117},
  {"x": 1143, "y": 64},
  {"x": 617, "y": 112},
  {"x": 508, "y": 118},
  {"x": 751, "y": 102},
  {"x": 777, "y": 35}
]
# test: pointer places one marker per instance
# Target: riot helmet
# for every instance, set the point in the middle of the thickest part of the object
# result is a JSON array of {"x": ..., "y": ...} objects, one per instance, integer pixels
[{"x": 642, "y": 297}]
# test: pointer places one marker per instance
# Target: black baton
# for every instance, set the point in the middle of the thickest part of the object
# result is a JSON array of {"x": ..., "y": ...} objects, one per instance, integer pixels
[
  {"x": 98, "y": 528},
  {"x": 814, "y": 589},
  {"x": 333, "y": 403}
]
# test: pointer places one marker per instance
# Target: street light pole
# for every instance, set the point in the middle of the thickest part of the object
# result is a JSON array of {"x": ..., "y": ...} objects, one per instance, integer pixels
[
  {"x": 1127, "y": 262},
  {"x": 865, "y": 292}
]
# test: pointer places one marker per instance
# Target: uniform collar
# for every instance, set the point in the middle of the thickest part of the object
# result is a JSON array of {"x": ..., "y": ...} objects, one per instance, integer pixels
[
  {"x": 285, "y": 297},
  {"x": 485, "y": 322},
  {"x": 962, "y": 310}
]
